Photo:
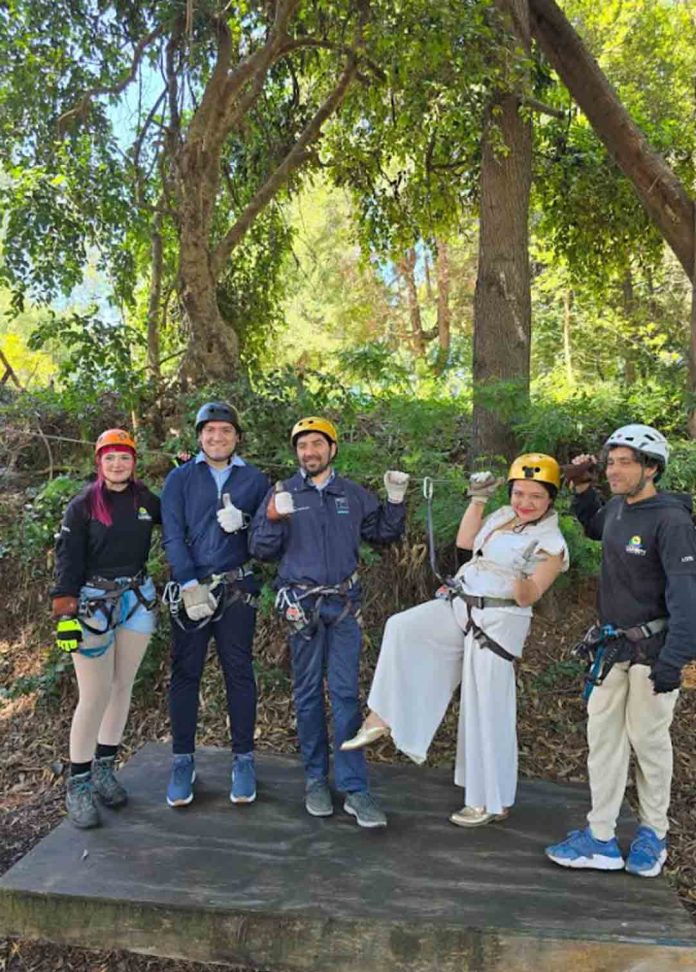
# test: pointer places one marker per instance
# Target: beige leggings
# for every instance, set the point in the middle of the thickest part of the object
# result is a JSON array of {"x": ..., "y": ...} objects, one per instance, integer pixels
[{"x": 105, "y": 685}]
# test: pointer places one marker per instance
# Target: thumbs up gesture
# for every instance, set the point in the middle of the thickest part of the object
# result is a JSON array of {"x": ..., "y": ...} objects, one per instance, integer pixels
[{"x": 228, "y": 516}]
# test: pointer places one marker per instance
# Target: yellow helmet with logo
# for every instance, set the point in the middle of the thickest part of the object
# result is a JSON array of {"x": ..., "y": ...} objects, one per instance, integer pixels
[
  {"x": 536, "y": 465},
  {"x": 314, "y": 423}
]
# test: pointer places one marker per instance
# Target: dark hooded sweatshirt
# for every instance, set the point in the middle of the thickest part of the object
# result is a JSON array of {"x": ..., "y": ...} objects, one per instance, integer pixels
[{"x": 648, "y": 568}]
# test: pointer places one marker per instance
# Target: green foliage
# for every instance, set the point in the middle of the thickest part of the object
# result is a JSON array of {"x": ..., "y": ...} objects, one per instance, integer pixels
[
  {"x": 46, "y": 683},
  {"x": 96, "y": 354},
  {"x": 42, "y": 515}
]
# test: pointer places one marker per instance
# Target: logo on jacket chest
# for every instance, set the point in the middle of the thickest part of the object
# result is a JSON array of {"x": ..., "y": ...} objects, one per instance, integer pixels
[
  {"x": 342, "y": 505},
  {"x": 636, "y": 546},
  {"x": 143, "y": 514}
]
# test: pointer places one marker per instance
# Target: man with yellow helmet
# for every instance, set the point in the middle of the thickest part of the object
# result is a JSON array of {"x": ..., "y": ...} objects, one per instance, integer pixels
[
  {"x": 314, "y": 524},
  {"x": 471, "y": 633}
]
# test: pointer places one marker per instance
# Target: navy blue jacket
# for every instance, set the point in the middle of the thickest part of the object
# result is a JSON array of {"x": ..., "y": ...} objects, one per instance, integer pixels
[
  {"x": 648, "y": 567},
  {"x": 320, "y": 545},
  {"x": 194, "y": 542}
]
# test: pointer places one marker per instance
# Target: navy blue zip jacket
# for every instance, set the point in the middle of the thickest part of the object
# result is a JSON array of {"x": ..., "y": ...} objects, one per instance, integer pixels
[
  {"x": 194, "y": 542},
  {"x": 320, "y": 545},
  {"x": 648, "y": 567}
]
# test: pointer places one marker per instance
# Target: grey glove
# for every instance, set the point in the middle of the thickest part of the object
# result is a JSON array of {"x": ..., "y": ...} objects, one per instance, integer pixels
[
  {"x": 198, "y": 602},
  {"x": 482, "y": 485},
  {"x": 522, "y": 563},
  {"x": 396, "y": 484}
]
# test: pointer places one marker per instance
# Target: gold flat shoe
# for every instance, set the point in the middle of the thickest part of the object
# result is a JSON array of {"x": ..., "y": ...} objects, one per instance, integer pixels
[
  {"x": 475, "y": 817},
  {"x": 365, "y": 737}
]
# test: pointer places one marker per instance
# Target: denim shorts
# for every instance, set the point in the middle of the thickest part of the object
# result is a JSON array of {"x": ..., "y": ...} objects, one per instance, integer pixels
[{"x": 141, "y": 620}]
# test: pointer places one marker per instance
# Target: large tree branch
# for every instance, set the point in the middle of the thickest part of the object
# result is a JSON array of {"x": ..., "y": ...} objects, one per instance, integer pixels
[
  {"x": 80, "y": 110},
  {"x": 658, "y": 188},
  {"x": 282, "y": 173}
]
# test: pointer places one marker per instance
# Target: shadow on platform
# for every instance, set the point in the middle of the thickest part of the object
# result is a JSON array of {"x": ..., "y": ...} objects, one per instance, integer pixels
[{"x": 267, "y": 886}]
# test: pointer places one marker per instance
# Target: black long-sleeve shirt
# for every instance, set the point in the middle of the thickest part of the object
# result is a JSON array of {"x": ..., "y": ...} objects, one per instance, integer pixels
[
  {"x": 648, "y": 567},
  {"x": 87, "y": 548}
]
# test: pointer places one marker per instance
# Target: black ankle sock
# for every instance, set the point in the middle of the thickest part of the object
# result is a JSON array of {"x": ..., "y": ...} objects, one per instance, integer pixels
[
  {"x": 79, "y": 769},
  {"x": 103, "y": 751}
]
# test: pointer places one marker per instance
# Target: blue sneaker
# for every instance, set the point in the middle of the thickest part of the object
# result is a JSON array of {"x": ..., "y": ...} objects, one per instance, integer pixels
[
  {"x": 647, "y": 854},
  {"x": 183, "y": 775},
  {"x": 243, "y": 778},
  {"x": 581, "y": 849}
]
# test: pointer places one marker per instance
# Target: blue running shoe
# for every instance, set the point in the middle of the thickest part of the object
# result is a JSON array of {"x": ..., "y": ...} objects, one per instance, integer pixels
[
  {"x": 647, "y": 854},
  {"x": 581, "y": 849},
  {"x": 183, "y": 775},
  {"x": 243, "y": 778}
]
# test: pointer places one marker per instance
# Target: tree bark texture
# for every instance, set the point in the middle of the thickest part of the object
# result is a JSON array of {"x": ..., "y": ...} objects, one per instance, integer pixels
[
  {"x": 442, "y": 270},
  {"x": 502, "y": 302},
  {"x": 659, "y": 190},
  {"x": 407, "y": 267}
]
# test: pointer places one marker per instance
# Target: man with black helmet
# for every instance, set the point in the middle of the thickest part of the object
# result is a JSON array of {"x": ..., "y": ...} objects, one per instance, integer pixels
[
  {"x": 314, "y": 524},
  {"x": 207, "y": 505},
  {"x": 646, "y": 633}
]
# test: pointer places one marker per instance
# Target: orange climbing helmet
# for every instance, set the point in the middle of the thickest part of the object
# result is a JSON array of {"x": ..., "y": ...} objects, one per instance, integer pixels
[{"x": 115, "y": 437}]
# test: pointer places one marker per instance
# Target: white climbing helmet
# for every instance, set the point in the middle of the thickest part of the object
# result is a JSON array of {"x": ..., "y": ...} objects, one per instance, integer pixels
[{"x": 643, "y": 438}]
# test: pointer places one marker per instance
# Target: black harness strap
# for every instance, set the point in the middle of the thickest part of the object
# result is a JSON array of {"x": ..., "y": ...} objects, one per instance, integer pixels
[{"x": 107, "y": 602}]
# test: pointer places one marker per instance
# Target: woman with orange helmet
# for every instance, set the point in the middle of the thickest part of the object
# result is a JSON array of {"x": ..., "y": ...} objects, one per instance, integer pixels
[
  {"x": 103, "y": 605},
  {"x": 470, "y": 634}
]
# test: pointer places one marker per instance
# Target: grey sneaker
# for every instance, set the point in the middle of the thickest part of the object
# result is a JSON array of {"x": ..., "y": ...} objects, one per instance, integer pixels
[
  {"x": 106, "y": 786},
  {"x": 318, "y": 800},
  {"x": 79, "y": 801},
  {"x": 365, "y": 809}
]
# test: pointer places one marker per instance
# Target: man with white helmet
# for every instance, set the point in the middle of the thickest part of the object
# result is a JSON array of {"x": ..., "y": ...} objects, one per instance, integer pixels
[{"x": 646, "y": 634}]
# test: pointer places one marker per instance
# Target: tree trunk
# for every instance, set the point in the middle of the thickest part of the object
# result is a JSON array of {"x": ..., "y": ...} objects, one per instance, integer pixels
[
  {"x": 691, "y": 390},
  {"x": 659, "y": 190},
  {"x": 407, "y": 267},
  {"x": 502, "y": 302},
  {"x": 154, "y": 304},
  {"x": 443, "y": 307}
]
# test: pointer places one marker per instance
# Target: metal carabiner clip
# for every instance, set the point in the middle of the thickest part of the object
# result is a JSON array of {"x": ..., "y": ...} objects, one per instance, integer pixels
[{"x": 427, "y": 488}]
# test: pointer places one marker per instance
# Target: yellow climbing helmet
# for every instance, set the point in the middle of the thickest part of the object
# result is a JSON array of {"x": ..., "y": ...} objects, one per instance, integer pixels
[
  {"x": 536, "y": 465},
  {"x": 314, "y": 423}
]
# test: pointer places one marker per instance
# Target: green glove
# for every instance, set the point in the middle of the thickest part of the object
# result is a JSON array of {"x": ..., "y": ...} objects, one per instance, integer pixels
[{"x": 68, "y": 634}]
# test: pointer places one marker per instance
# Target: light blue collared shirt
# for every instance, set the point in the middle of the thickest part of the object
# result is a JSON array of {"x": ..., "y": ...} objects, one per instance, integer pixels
[
  {"x": 305, "y": 475},
  {"x": 220, "y": 475}
]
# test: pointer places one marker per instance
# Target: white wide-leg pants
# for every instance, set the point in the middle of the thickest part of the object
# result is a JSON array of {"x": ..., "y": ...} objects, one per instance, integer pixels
[{"x": 425, "y": 655}]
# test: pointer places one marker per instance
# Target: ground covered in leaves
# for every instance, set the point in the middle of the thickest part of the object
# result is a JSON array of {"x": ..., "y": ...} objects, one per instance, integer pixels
[{"x": 34, "y": 727}]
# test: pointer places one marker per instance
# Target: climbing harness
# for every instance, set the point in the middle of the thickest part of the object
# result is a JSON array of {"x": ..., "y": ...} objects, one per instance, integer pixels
[
  {"x": 303, "y": 619},
  {"x": 108, "y": 605},
  {"x": 452, "y": 587},
  {"x": 225, "y": 589},
  {"x": 600, "y": 646}
]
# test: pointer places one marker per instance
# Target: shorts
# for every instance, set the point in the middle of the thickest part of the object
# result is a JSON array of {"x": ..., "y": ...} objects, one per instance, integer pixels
[{"x": 141, "y": 620}]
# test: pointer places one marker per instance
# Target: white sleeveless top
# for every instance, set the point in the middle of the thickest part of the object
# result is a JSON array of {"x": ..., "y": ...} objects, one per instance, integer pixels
[{"x": 489, "y": 573}]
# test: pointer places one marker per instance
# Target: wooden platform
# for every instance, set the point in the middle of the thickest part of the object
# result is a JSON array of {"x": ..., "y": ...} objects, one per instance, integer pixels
[{"x": 269, "y": 887}]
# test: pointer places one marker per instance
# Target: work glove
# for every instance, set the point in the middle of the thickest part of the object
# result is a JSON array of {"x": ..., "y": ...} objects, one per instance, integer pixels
[
  {"x": 284, "y": 503},
  {"x": 229, "y": 517},
  {"x": 523, "y": 564},
  {"x": 198, "y": 602},
  {"x": 482, "y": 485},
  {"x": 583, "y": 469},
  {"x": 665, "y": 677},
  {"x": 68, "y": 634},
  {"x": 396, "y": 484}
]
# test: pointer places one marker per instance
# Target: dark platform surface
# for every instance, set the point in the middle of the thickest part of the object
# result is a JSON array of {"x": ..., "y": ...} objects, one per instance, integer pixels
[{"x": 267, "y": 883}]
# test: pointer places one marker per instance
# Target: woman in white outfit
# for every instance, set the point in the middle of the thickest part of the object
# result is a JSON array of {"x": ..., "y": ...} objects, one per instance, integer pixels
[{"x": 472, "y": 635}]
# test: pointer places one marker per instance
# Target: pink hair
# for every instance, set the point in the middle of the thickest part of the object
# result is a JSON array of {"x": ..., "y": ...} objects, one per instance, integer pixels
[{"x": 97, "y": 496}]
